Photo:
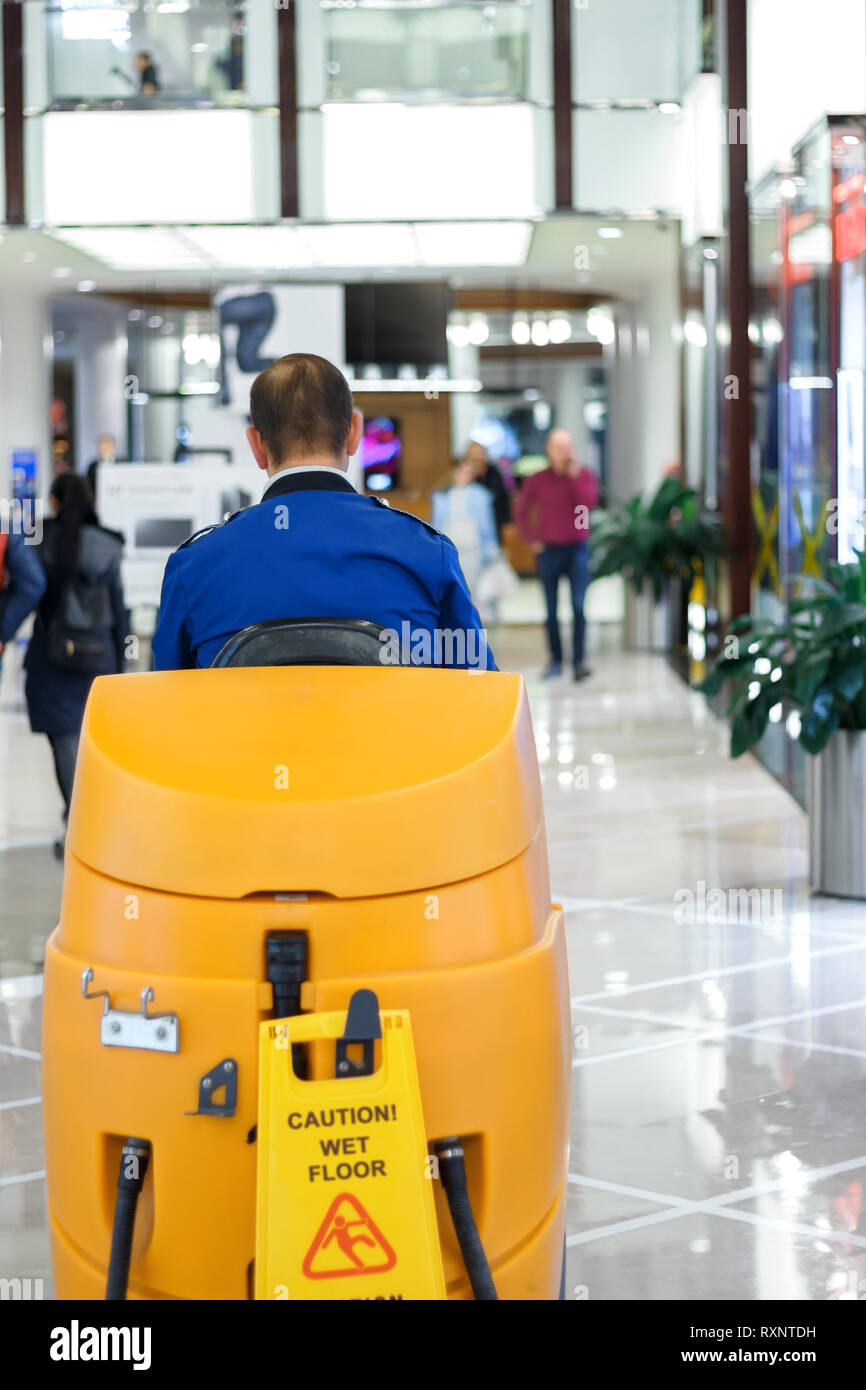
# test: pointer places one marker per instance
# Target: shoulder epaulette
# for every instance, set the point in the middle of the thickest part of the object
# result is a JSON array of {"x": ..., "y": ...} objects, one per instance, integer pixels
[
  {"x": 206, "y": 530},
  {"x": 398, "y": 511}
]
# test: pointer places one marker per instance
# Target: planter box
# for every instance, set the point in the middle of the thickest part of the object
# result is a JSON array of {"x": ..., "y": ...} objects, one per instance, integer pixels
[
  {"x": 836, "y": 799},
  {"x": 646, "y": 622}
]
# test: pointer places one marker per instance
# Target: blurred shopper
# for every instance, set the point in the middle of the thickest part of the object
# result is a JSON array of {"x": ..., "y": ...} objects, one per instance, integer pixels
[
  {"x": 22, "y": 584},
  {"x": 313, "y": 547},
  {"x": 60, "y": 457},
  {"x": 148, "y": 78},
  {"x": 106, "y": 453},
  {"x": 490, "y": 476},
  {"x": 80, "y": 627},
  {"x": 552, "y": 513},
  {"x": 233, "y": 62},
  {"x": 464, "y": 513}
]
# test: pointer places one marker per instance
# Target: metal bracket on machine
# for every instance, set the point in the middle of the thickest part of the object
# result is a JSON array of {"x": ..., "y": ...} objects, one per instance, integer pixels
[
  {"x": 363, "y": 1026},
  {"x": 121, "y": 1028},
  {"x": 225, "y": 1073}
]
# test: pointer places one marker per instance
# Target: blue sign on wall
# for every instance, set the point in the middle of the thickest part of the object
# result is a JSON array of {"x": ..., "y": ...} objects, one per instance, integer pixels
[{"x": 24, "y": 475}]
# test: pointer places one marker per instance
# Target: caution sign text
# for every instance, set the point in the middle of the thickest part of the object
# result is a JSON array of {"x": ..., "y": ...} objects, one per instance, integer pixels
[{"x": 344, "y": 1205}]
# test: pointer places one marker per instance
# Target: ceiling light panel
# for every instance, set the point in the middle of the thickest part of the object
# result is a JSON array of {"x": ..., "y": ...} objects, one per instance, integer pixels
[
  {"x": 473, "y": 243},
  {"x": 251, "y": 248},
  {"x": 134, "y": 248},
  {"x": 361, "y": 244}
]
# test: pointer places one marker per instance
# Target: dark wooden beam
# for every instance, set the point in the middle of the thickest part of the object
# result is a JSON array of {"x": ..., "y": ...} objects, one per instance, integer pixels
[
  {"x": 13, "y": 98},
  {"x": 508, "y": 298},
  {"x": 288, "y": 96},
  {"x": 562, "y": 103},
  {"x": 737, "y": 389},
  {"x": 560, "y": 351}
]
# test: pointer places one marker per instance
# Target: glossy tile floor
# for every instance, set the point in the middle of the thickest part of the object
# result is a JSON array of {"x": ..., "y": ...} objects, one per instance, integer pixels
[{"x": 718, "y": 1142}]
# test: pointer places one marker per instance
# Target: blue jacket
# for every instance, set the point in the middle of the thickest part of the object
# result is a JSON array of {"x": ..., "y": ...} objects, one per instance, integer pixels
[
  {"x": 314, "y": 548},
  {"x": 25, "y": 587}
]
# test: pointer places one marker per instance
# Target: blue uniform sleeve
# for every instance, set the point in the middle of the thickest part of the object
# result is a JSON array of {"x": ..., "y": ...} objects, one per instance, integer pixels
[
  {"x": 457, "y": 613},
  {"x": 172, "y": 647},
  {"x": 26, "y": 586}
]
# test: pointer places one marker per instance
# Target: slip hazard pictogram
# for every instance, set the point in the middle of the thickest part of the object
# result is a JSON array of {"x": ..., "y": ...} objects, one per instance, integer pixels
[{"x": 348, "y": 1242}]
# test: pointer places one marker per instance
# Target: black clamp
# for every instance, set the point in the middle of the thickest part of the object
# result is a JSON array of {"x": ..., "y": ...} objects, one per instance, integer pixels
[
  {"x": 364, "y": 1026},
  {"x": 225, "y": 1073}
]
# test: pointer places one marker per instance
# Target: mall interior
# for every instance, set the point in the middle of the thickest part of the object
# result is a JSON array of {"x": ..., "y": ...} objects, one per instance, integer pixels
[{"x": 631, "y": 229}]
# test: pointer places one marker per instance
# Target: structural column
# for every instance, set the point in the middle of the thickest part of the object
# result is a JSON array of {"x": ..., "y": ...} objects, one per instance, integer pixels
[
  {"x": 736, "y": 388},
  {"x": 25, "y": 385}
]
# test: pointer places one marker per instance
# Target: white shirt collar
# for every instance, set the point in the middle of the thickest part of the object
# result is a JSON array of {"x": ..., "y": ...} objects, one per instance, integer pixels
[{"x": 309, "y": 468}]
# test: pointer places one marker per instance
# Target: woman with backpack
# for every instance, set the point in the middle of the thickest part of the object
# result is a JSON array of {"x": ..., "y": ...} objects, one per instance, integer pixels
[{"x": 81, "y": 623}]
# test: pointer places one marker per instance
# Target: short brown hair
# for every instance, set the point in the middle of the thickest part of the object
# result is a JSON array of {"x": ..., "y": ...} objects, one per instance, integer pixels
[{"x": 301, "y": 405}]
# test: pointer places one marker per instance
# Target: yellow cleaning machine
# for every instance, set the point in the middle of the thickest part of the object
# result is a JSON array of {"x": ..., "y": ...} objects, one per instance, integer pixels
[{"x": 306, "y": 1008}]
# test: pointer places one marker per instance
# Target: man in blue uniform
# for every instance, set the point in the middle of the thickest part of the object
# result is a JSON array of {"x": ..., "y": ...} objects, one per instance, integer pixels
[{"x": 313, "y": 547}]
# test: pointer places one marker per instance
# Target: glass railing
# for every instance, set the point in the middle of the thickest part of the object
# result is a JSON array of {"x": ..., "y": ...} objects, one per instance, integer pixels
[
  {"x": 143, "y": 53},
  {"x": 423, "y": 50}
]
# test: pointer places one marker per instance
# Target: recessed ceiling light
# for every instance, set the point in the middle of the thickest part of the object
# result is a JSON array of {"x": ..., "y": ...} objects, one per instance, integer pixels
[
  {"x": 850, "y": 139},
  {"x": 135, "y": 314},
  {"x": 29, "y": 257},
  {"x": 85, "y": 286},
  {"x": 669, "y": 108},
  {"x": 62, "y": 272},
  {"x": 611, "y": 233}
]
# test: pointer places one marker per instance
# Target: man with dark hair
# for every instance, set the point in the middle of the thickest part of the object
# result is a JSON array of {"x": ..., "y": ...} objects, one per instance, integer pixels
[{"x": 313, "y": 547}]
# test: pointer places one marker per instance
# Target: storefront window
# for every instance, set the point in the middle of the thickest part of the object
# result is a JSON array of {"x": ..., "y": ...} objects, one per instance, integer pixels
[{"x": 391, "y": 51}]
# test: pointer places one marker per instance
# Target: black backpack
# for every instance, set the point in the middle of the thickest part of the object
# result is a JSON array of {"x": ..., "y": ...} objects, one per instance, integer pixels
[{"x": 79, "y": 637}]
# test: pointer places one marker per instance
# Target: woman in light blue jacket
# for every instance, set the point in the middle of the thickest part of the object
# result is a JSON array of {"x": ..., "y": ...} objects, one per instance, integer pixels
[{"x": 464, "y": 513}]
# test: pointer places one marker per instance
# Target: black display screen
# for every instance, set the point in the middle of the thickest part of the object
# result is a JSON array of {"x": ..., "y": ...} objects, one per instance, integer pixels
[{"x": 390, "y": 324}]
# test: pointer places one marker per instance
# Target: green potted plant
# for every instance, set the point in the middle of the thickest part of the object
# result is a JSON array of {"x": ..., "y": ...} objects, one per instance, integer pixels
[
  {"x": 657, "y": 546},
  {"x": 815, "y": 662}
]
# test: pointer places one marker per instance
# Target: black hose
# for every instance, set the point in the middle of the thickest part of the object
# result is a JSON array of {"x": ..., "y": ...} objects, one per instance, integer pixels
[
  {"x": 134, "y": 1159},
  {"x": 452, "y": 1171}
]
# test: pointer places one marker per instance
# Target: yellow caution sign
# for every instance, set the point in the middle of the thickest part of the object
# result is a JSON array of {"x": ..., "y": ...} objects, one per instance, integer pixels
[{"x": 344, "y": 1201}]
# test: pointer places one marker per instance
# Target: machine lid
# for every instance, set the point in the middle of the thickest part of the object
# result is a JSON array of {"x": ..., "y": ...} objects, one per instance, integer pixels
[{"x": 353, "y": 781}]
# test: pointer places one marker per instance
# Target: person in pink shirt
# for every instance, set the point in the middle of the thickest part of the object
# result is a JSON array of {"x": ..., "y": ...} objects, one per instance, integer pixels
[{"x": 552, "y": 513}]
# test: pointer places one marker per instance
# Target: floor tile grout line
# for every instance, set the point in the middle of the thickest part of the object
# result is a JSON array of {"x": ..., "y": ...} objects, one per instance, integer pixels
[
  {"x": 634, "y": 1223},
  {"x": 735, "y": 1029},
  {"x": 667, "y": 914},
  {"x": 615, "y": 1056},
  {"x": 781, "y": 1223},
  {"x": 660, "y": 1198},
  {"x": 722, "y": 971},
  {"x": 748, "y": 1028},
  {"x": 22, "y": 1177},
  {"x": 20, "y": 1052},
  {"x": 808, "y": 1043},
  {"x": 638, "y": 1015},
  {"x": 713, "y": 1206}
]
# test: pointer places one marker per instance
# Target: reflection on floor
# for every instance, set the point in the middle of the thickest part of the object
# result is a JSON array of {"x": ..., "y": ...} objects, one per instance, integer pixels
[{"x": 718, "y": 1142}]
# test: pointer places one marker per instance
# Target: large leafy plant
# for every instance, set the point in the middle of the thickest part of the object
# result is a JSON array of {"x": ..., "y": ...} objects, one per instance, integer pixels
[
  {"x": 649, "y": 542},
  {"x": 815, "y": 660}
]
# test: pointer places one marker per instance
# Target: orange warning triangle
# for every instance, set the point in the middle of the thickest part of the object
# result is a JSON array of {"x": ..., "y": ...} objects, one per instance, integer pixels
[{"x": 347, "y": 1242}]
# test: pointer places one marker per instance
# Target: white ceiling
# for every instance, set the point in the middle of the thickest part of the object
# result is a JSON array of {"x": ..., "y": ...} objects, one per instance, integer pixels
[{"x": 564, "y": 252}]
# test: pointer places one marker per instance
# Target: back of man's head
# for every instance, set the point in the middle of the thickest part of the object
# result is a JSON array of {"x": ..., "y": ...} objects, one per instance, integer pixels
[{"x": 301, "y": 406}]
